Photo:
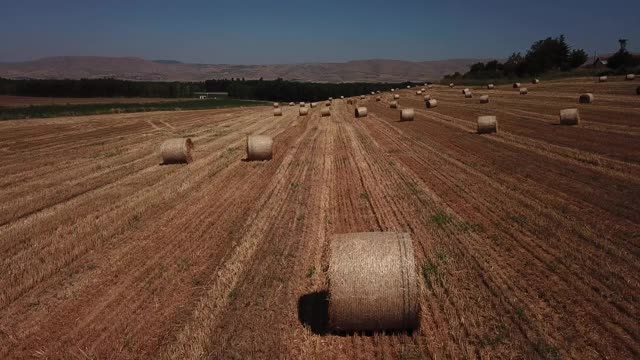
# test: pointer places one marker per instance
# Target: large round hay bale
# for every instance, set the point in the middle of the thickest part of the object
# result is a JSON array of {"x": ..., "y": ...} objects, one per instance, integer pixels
[
  {"x": 484, "y": 99},
  {"x": 603, "y": 79},
  {"x": 407, "y": 114},
  {"x": 361, "y": 111},
  {"x": 277, "y": 112},
  {"x": 304, "y": 111},
  {"x": 373, "y": 93},
  {"x": 427, "y": 97},
  {"x": 418, "y": 92},
  {"x": 325, "y": 112},
  {"x": 302, "y": 104},
  {"x": 586, "y": 98},
  {"x": 396, "y": 96},
  {"x": 330, "y": 99},
  {"x": 630, "y": 77},
  {"x": 408, "y": 87},
  {"x": 393, "y": 90},
  {"x": 378, "y": 98},
  {"x": 535, "y": 81},
  {"x": 291, "y": 104},
  {"x": 487, "y": 124},
  {"x": 362, "y": 97},
  {"x": 468, "y": 95},
  {"x": 524, "y": 91},
  {"x": 393, "y": 104},
  {"x": 313, "y": 104},
  {"x": 490, "y": 87},
  {"x": 516, "y": 85},
  {"x": 452, "y": 85},
  {"x": 176, "y": 151},
  {"x": 341, "y": 97},
  {"x": 431, "y": 103},
  {"x": 465, "y": 90},
  {"x": 276, "y": 105},
  {"x": 259, "y": 147},
  {"x": 373, "y": 283},
  {"x": 569, "y": 117}
]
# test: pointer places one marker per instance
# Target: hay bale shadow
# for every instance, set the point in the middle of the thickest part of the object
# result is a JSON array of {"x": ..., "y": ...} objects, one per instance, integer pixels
[{"x": 313, "y": 312}]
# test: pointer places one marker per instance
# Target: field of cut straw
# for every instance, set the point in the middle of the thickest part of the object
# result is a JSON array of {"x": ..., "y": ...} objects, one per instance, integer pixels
[{"x": 527, "y": 241}]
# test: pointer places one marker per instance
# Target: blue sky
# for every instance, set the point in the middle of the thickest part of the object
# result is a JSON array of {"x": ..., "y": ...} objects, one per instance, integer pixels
[{"x": 269, "y": 32}]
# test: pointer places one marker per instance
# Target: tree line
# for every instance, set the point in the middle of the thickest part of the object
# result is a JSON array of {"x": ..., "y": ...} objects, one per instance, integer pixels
[{"x": 87, "y": 88}]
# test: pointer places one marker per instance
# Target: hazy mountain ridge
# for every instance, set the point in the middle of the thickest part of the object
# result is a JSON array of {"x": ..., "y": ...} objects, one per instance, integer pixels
[{"x": 131, "y": 68}]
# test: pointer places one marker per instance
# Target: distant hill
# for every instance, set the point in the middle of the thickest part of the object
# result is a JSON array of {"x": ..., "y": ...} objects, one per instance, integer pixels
[{"x": 130, "y": 68}]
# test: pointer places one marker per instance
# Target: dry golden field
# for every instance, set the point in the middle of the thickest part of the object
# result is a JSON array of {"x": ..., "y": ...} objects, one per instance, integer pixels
[{"x": 527, "y": 241}]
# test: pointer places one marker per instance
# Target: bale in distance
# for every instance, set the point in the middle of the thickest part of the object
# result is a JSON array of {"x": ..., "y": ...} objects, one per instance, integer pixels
[
  {"x": 427, "y": 97},
  {"x": 423, "y": 89},
  {"x": 302, "y": 104},
  {"x": 361, "y": 111},
  {"x": 586, "y": 98},
  {"x": 569, "y": 117},
  {"x": 341, "y": 97},
  {"x": 259, "y": 147},
  {"x": 484, "y": 99},
  {"x": 373, "y": 93},
  {"x": 407, "y": 114},
  {"x": 330, "y": 99},
  {"x": 490, "y": 87},
  {"x": 487, "y": 124},
  {"x": 393, "y": 90},
  {"x": 277, "y": 112},
  {"x": 465, "y": 90},
  {"x": 524, "y": 91},
  {"x": 603, "y": 79},
  {"x": 378, "y": 98},
  {"x": 362, "y": 97},
  {"x": 276, "y": 105},
  {"x": 396, "y": 96},
  {"x": 291, "y": 104},
  {"x": 431, "y": 103},
  {"x": 313, "y": 104},
  {"x": 393, "y": 104},
  {"x": 468, "y": 95},
  {"x": 535, "y": 81},
  {"x": 304, "y": 111},
  {"x": 451, "y": 85},
  {"x": 516, "y": 85},
  {"x": 373, "y": 283},
  {"x": 328, "y": 103},
  {"x": 408, "y": 87},
  {"x": 418, "y": 92},
  {"x": 325, "y": 112},
  {"x": 176, "y": 151},
  {"x": 630, "y": 77}
]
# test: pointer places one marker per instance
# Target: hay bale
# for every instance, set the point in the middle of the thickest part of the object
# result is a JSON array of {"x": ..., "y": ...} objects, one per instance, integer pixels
[
  {"x": 407, "y": 114},
  {"x": 408, "y": 87},
  {"x": 302, "y": 104},
  {"x": 341, "y": 97},
  {"x": 630, "y": 77},
  {"x": 490, "y": 87},
  {"x": 451, "y": 85},
  {"x": 176, "y": 151},
  {"x": 484, "y": 99},
  {"x": 418, "y": 92},
  {"x": 373, "y": 93},
  {"x": 535, "y": 81},
  {"x": 330, "y": 99},
  {"x": 259, "y": 147},
  {"x": 427, "y": 97},
  {"x": 361, "y": 111},
  {"x": 325, "y": 112},
  {"x": 304, "y": 111},
  {"x": 423, "y": 89},
  {"x": 378, "y": 98},
  {"x": 393, "y": 104},
  {"x": 393, "y": 90},
  {"x": 465, "y": 90},
  {"x": 487, "y": 124},
  {"x": 569, "y": 117},
  {"x": 431, "y": 103},
  {"x": 313, "y": 104},
  {"x": 373, "y": 283},
  {"x": 603, "y": 79},
  {"x": 276, "y": 105},
  {"x": 468, "y": 95},
  {"x": 291, "y": 104},
  {"x": 277, "y": 112},
  {"x": 328, "y": 103},
  {"x": 362, "y": 97},
  {"x": 396, "y": 97},
  {"x": 516, "y": 85},
  {"x": 524, "y": 91},
  {"x": 586, "y": 98}
]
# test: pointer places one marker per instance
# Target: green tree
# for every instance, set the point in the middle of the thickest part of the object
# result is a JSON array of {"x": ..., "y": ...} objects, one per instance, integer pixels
[{"x": 577, "y": 57}]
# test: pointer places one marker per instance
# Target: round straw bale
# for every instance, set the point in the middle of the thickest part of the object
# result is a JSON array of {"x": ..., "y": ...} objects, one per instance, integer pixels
[
  {"x": 393, "y": 104},
  {"x": 259, "y": 147},
  {"x": 569, "y": 117},
  {"x": 535, "y": 81},
  {"x": 304, "y": 111},
  {"x": 427, "y": 97},
  {"x": 341, "y": 97},
  {"x": 630, "y": 77},
  {"x": 465, "y": 90},
  {"x": 176, "y": 151},
  {"x": 361, "y": 111},
  {"x": 362, "y": 97},
  {"x": 407, "y": 114},
  {"x": 396, "y": 96},
  {"x": 328, "y": 103},
  {"x": 423, "y": 89},
  {"x": 418, "y": 92},
  {"x": 302, "y": 104},
  {"x": 277, "y": 112},
  {"x": 484, "y": 99},
  {"x": 524, "y": 91},
  {"x": 516, "y": 85},
  {"x": 276, "y": 105},
  {"x": 393, "y": 90},
  {"x": 603, "y": 79},
  {"x": 330, "y": 99},
  {"x": 325, "y": 112},
  {"x": 373, "y": 283},
  {"x": 431, "y": 103},
  {"x": 468, "y": 95},
  {"x": 373, "y": 93},
  {"x": 378, "y": 98},
  {"x": 490, "y": 86},
  {"x": 291, "y": 104},
  {"x": 408, "y": 87},
  {"x": 586, "y": 98},
  {"x": 313, "y": 104},
  {"x": 429, "y": 86},
  {"x": 487, "y": 124},
  {"x": 452, "y": 85}
]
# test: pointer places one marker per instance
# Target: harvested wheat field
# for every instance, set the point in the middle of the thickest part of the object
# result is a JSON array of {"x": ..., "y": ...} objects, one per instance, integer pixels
[{"x": 526, "y": 241}]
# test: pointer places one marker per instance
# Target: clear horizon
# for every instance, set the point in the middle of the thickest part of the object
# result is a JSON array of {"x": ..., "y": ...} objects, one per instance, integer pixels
[{"x": 256, "y": 33}]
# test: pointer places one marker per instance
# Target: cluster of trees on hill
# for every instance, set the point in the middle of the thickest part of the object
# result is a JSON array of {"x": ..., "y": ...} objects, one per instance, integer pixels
[
  {"x": 282, "y": 90},
  {"x": 550, "y": 54},
  {"x": 99, "y": 88},
  {"x": 623, "y": 60}
]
